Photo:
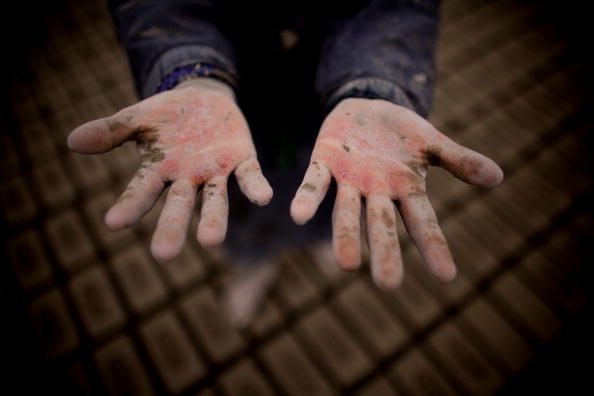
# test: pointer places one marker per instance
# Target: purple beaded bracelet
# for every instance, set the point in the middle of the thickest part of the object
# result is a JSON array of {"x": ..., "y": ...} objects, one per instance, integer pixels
[{"x": 189, "y": 72}]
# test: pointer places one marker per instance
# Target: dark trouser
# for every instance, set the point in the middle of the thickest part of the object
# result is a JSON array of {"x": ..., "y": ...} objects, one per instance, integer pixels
[{"x": 278, "y": 101}]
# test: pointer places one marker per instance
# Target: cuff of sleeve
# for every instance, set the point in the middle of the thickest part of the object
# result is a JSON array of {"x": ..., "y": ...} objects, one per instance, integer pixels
[
  {"x": 370, "y": 88},
  {"x": 179, "y": 57}
]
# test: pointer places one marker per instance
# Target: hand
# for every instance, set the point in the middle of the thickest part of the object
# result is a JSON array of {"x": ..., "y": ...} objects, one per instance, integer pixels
[
  {"x": 380, "y": 151},
  {"x": 194, "y": 135}
]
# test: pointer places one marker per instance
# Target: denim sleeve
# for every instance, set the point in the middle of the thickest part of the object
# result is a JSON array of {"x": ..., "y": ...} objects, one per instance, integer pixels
[
  {"x": 161, "y": 36},
  {"x": 383, "y": 51}
]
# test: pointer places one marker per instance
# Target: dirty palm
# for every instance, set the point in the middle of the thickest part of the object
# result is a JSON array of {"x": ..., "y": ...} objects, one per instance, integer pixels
[{"x": 193, "y": 137}]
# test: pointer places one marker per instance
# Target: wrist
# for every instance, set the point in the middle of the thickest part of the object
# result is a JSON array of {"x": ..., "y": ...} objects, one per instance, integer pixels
[
  {"x": 207, "y": 83},
  {"x": 369, "y": 88}
]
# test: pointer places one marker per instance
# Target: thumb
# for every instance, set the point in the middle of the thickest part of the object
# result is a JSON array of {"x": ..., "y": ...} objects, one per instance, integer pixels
[
  {"x": 464, "y": 163},
  {"x": 104, "y": 134}
]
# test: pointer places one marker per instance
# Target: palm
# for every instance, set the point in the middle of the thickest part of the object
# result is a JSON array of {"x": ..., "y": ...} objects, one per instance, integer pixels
[
  {"x": 189, "y": 137},
  {"x": 193, "y": 134},
  {"x": 374, "y": 157},
  {"x": 380, "y": 151}
]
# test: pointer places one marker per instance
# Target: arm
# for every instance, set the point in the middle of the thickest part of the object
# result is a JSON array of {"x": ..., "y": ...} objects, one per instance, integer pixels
[
  {"x": 385, "y": 50},
  {"x": 375, "y": 144},
  {"x": 191, "y": 135},
  {"x": 162, "y": 36}
]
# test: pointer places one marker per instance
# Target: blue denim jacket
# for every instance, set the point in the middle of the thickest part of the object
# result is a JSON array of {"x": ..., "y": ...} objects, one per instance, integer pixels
[{"x": 372, "y": 49}]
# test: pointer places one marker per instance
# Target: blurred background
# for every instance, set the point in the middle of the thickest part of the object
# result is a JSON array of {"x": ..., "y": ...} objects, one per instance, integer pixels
[{"x": 85, "y": 311}]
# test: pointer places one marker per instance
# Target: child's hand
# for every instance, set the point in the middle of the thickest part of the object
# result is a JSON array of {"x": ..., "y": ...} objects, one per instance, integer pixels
[
  {"x": 380, "y": 151},
  {"x": 192, "y": 136}
]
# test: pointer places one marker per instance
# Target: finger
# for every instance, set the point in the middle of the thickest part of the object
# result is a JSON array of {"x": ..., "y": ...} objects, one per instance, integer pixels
[
  {"x": 386, "y": 259},
  {"x": 311, "y": 192},
  {"x": 465, "y": 164},
  {"x": 252, "y": 182},
  {"x": 421, "y": 224},
  {"x": 346, "y": 227},
  {"x": 170, "y": 235},
  {"x": 212, "y": 226},
  {"x": 140, "y": 195},
  {"x": 104, "y": 134}
]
